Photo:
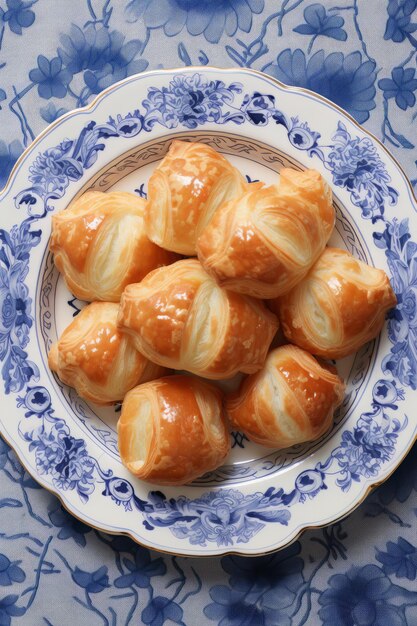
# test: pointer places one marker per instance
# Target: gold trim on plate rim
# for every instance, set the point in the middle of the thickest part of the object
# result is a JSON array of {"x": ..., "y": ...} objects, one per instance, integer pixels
[{"x": 91, "y": 106}]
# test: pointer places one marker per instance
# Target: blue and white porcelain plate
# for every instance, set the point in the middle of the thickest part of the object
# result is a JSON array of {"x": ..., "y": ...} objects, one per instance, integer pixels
[{"x": 259, "y": 500}]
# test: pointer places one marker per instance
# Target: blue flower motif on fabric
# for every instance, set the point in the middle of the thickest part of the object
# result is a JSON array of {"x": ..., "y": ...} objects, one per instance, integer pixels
[
  {"x": 8, "y": 609},
  {"x": 281, "y": 572},
  {"x": 400, "y": 86},
  {"x": 400, "y": 559},
  {"x": 4, "y": 452},
  {"x": 262, "y": 590},
  {"x": 10, "y": 572},
  {"x": 52, "y": 79},
  {"x": 50, "y": 113},
  {"x": 101, "y": 54},
  {"x": 141, "y": 570},
  {"x": 319, "y": 22},
  {"x": 364, "y": 595},
  {"x": 92, "y": 582},
  {"x": 98, "y": 52},
  {"x": 230, "y": 607},
  {"x": 347, "y": 80},
  {"x": 399, "y": 25},
  {"x": 199, "y": 17},
  {"x": 161, "y": 610},
  {"x": 18, "y": 15},
  {"x": 70, "y": 527},
  {"x": 401, "y": 254}
]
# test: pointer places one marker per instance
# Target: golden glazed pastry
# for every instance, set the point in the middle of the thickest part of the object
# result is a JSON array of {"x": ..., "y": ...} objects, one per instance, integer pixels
[
  {"x": 290, "y": 400},
  {"x": 173, "y": 430},
  {"x": 264, "y": 242},
  {"x": 100, "y": 246},
  {"x": 179, "y": 317},
  {"x": 339, "y": 306},
  {"x": 93, "y": 356},
  {"x": 184, "y": 191}
]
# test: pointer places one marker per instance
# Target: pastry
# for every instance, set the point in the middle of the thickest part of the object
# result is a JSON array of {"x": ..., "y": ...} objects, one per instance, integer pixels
[
  {"x": 263, "y": 242},
  {"x": 100, "y": 246},
  {"x": 184, "y": 191},
  {"x": 93, "y": 356},
  {"x": 290, "y": 400},
  {"x": 173, "y": 430},
  {"x": 180, "y": 318},
  {"x": 339, "y": 306}
]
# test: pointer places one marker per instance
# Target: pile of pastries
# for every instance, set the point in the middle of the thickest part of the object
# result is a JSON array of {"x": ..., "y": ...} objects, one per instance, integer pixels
[{"x": 199, "y": 278}]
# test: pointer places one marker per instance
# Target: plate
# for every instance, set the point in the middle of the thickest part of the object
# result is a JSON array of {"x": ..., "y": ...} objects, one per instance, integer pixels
[{"x": 259, "y": 501}]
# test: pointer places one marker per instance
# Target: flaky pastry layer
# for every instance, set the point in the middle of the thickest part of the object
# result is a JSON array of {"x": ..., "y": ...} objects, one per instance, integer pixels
[
  {"x": 173, "y": 430},
  {"x": 185, "y": 190},
  {"x": 180, "y": 318},
  {"x": 290, "y": 400},
  {"x": 339, "y": 306},
  {"x": 100, "y": 245},
  {"x": 95, "y": 358},
  {"x": 263, "y": 242}
]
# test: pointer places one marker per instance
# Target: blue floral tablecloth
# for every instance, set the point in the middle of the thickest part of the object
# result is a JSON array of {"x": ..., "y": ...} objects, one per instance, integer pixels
[{"x": 56, "y": 55}]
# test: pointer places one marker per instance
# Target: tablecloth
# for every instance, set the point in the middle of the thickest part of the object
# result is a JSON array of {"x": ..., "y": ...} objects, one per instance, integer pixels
[{"x": 54, "y": 570}]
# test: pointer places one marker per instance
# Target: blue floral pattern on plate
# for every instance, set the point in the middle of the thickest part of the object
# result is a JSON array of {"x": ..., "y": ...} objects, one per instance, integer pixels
[
  {"x": 291, "y": 584},
  {"x": 227, "y": 517}
]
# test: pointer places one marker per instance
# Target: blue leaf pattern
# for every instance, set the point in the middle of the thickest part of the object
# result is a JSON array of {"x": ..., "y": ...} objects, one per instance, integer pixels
[{"x": 361, "y": 571}]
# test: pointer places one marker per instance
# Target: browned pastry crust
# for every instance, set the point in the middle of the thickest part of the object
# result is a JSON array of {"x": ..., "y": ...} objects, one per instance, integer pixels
[
  {"x": 185, "y": 190},
  {"x": 173, "y": 430},
  {"x": 180, "y": 318},
  {"x": 290, "y": 400},
  {"x": 263, "y": 242},
  {"x": 93, "y": 356},
  {"x": 340, "y": 305},
  {"x": 100, "y": 245}
]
